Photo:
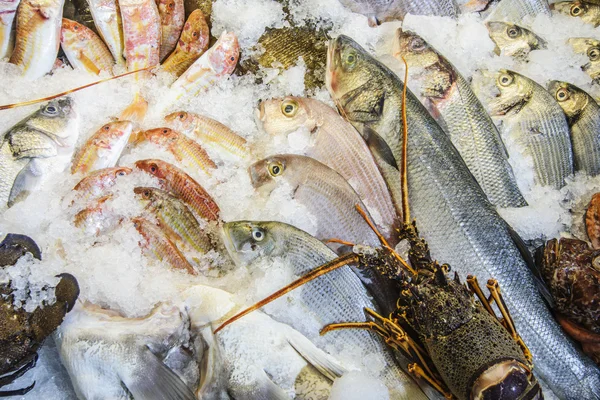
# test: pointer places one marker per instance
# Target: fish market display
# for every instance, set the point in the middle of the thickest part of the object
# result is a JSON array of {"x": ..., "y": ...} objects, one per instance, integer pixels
[
  {"x": 172, "y": 18},
  {"x": 514, "y": 40},
  {"x": 190, "y": 45},
  {"x": 587, "y": 11},
  {"x": 84, "y": 48},
  {"x": 103, "y": 148},
  {"x": 591, "y": 48},
  {"x": 107, "y": 18},
  {"x": 464, "y": 119},
  {"x": 8, "y": 11}
]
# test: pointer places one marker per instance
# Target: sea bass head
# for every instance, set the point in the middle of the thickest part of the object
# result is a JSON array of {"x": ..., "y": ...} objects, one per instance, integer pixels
[
  {"x": 195, "y": 34},
  {"x": 415, "y": 50},
  {"x": 55, "y": 119},
  {"x": 570, "y": 98},
  {"x": 283, "y": 116},
  {"x": 515, "y": 92},
  {"x": 513, "y": 40},
  {"x": 247, "y": 240},
  {"x": 224, "y": 54}
]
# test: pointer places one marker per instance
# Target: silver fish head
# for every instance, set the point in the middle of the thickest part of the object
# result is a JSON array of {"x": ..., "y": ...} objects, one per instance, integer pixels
[
  {"x": 570, "y": 98},
  {"x": 414, "y": 49},
  {"x": 283, "y": 116},
  {"x": 583, "y": 45},
  {"x": 513, "y": 40},
  {"x": 349, "y": 66},
  {"x": 247, "y": 240},
  {"x": 515, "y": 92},
  {"x": 55, "y": 119},
  {"x": 266, "y": 173},
  {"x": 587, "y": 11}
]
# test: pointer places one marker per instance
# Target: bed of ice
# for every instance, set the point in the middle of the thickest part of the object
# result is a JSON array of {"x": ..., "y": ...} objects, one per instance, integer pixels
[{"x": 111, "y": 269}]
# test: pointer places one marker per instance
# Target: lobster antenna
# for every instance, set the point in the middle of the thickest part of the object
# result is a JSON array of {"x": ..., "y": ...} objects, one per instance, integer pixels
[{"x": 404, "y": 161}]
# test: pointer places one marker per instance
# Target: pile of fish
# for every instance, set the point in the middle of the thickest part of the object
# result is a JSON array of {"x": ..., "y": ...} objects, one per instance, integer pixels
[{"x": 403, "y": 194}]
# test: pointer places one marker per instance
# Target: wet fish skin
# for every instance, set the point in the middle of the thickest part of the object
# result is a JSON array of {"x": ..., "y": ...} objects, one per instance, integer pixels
[
  {"x": 338, "y": 145},
  {"x": 110, "y": 356},
  {"x": 103, "y": 148},
  {"x": 583, "y": 116},
  {"x": 588, "y": 12},
  {"x": 174, "y": 215},
  {"x": 84, "y": 49},
  {"x": 183, "y": 148},
  {"x": 141, "y": 33},
  {"x": 97, "y": 182},
  {"x": 447, "y": 203},
  {"x": 190, "y": 46},
  {"x": 538, "y": 124},
  {"x": 591, "y": 48},
  {"x": 8, "y": 11},
  {"x": 172, "y": 18},
  {"x": 38, "y": 36},
  {"x": 107, "y": 18},
  {"x": 450, "y": 97},
  {"x": 183, "y": 186},
  {"x": 379, "y": 11},
  {"x": 516, "y": 10},
  {"x": 209, "y": 131},
  {"x": 514, "y": 40},
  {"x": 340, "y": 296}
]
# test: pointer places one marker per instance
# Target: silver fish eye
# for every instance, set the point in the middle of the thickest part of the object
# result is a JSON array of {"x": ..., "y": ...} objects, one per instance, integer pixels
[
  {"x": 50, "y": 109},
  {"x": 513, "y": 32},
  {"x": 593, "y": 54},
  {"x": 417, "y": 44},
  {"x": 258, "y": 234}
]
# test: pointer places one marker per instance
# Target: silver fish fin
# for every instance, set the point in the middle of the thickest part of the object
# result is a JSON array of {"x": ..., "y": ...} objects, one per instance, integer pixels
[
  {"x": 268, "y": 390},
  {"x": 19, "y": 188},
  {"x": 378, "y": 146},
  {"x": 213, "y": 384},
  {"x": 316, "y": 357},
  {"x": 155, "y": 381}
]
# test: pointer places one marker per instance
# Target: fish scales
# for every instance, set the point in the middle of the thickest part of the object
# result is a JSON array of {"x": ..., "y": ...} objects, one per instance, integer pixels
[
  {"x": 84, "y": 49},
  {"x": 379, "y": 11},
  {"x": 516, "y": 10},
  {"x": 463, "y": 229},
  {"x": 141, "y": 33},
  {"x": 172, "y": 18},
  {"x": 107, "y": 19}
]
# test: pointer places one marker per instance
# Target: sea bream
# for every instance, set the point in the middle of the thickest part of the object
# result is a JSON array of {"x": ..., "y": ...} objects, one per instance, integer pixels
[
  {"x": 38, "y": 36},
  {"x": 141, "y": 33},
  {"x": 84, "y": 49},
  {"x": 538, "y": 124},
  {"x": 514, "y": 40},
  {"x": 453, "y": 215},
  {"x": 8, "y": 11},
  {"x": 172, "y": 18},
  {"x": 337, "y": 296},
  {"x": 587, "y": 11},
  {"x": 40, "y": 135},
  {"x": 107, "y": 18},
  {"x": 450, "y": 98},
  {"x": 591, "y": 48}
]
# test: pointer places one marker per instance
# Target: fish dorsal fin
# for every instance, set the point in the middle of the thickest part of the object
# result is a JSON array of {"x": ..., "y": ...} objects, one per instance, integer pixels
[
  {"x": 378, "y": 146},
  {"x": 316, "y": 357},
  {"x": 155, "y": 381}
]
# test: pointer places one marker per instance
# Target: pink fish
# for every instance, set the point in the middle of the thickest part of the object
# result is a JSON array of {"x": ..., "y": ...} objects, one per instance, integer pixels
[
  {"x": 141, "y": 31},
  {"x": 172, "y": 18}
]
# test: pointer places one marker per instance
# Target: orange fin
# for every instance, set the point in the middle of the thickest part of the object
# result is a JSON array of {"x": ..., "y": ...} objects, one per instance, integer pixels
[
  {"x": 136, "y": 111},
  {"x": 89, "y": 64}
]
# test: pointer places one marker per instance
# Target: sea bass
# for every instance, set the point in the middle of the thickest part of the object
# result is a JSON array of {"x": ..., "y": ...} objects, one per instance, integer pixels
[
  {"x": 450, "y": 97},
  {"x": 514, "y": 40},
  {"x": 191, "y": 44},
  {"x": 38, "y": 36},
  {"x": 453, "y": 214},
  {"x": 538, "y": 124},
  {"x": 337, "y": 296},
  {"x": 107, "y": 18},
  {"x": 110, "y": 356},
  {"x": 172, "y": 18},
  {"x": 103, "y": 148},
  {"x": 8, "y": 11},
  {"x": 84, "y": 49},
  {"x": 336, "y": 144},
  {"x": 591, "y": 48},
  {"x": 587, "y": 11},
  {"x": 379, "y": 11},
  {"x": 40, "y": 135},
  {"x": 209, "y": 132},
  {"x": 516, "y": 10},
  {"x": 583, "y": 115},
  {"x": 141, "y": 33}
]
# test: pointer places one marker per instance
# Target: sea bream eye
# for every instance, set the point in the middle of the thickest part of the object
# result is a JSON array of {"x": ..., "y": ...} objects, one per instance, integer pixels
[
  {"x": 276, "y": 169},
  {"x": 258, "y": 234},
  {"x": 513, "y": 32},
  {"x": 593, "y": 54},
  {"x": 289, "y": 108},
  {"x": 505, "y": 79},
  {"x": 562, "y": 94},
  {"x": 576, "y": 10}
]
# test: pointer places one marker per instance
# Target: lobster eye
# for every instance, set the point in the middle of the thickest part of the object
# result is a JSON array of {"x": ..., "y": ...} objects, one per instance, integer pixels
[
  {"x": 289, "y": 108},
  {"x": 276, "y": 168},
  {"x": 258, "y": 234},
  {"x": 593, "y": 54},
  {"x": 576, "y": 10},
  {"x": 195, "y": 34},
  {"x": 562, "y": 94},
  {"x": 513, "y": 32},
  {"x": 505, "y": 79}
]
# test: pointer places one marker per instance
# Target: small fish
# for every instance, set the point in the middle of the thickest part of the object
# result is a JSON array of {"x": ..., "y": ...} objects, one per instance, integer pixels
[
  {"x": 583, "y": 116},
  {"x": 110, "y": 356},
  {"x": 183, "y": 148},
  {"x": 209, "y": 131},
  {"x": 97, "y": 182},
  {"x": 218, "y": 61},
  {"x": 95, "y": 218},
  {"x": 174, "y": 215},
  {"x": 514, "y": 40},
  {"x": 107, "y": 18},
  {"x": 190, "y": 46},
  {"x": 8, "y": 11},
  {"x": 451, "y": 100},
  {"x": 379, "y": 11},
  {"x": 40, "y": 135},
  {"x": 587, "y": 11},
  {"x": 592, "y": 221},
  {"x": 538, "y": 124},
  {"x": 157, "y": 242},
  {"x": 84, "y": 49},
  {"x": 182, "y": 185},
  {"x": 172, "y": 18},
  {"x": 141, "y": 33},
  {"x": 103, "y": 148},
  {"x": 591, "y": 48},
  {"x": 38, "y": 36},
  {"x": 516, "y": 10}
]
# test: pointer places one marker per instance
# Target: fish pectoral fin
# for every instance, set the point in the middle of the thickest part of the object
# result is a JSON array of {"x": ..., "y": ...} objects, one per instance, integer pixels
[
  {"x": 378, "y": 146},
  {"x": 155, "y": 381},
  {"x": 323, "y": 362},
  {"x": 268, "y": 390},
  {"x": 89, "y": 64}
]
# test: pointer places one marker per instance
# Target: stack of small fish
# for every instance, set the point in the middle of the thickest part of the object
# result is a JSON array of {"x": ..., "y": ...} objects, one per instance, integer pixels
[{"x": 459, "y": 173}]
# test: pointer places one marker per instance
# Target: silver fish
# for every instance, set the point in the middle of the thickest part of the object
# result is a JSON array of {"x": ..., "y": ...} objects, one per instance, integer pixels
[
  {"x": 587, "y": 11},
  {"x": 516, "y": 10},
  {"x": 108, "y": 356},
  {"x": 337, "y": 296},
  {"x": 38, "y": 136},
  {"x": 379, "y": 11},
  {"x": 453, "y": 215},
  {"x": 583, "y": 115},
  {"x": 591, "y": 48},
  {"x": 514, "y": 40},
  {"x": 339, "y": 146},
  {"x": 538, "y": 124},
  {"x": 450, "y": 97}
]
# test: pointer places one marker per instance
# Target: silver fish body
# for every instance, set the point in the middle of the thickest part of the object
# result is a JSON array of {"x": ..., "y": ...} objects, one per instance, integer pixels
[
  {"x": 516, "y": 10},
  {"x": 379, "y": 11},
  {"x": 538, "y": 124},
  {"x": 583, "y": 115},
  {"x": 514, "y": 40},
  {"x": 460, "y": 225},
  {"x": 471, "y": 129},
  {"x": 337, "y": 296}
]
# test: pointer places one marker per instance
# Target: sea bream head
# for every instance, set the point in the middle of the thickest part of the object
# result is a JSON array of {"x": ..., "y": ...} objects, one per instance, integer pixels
[
  {"x": 223, "y": 56},
  {"x": 591, "y": 48},
  {"x": 586, "y": 10},
  {"x": 415, "y": 50},
  {"x": 248, "y": 240},
  {"x": 515, "y": 92},
  {"x": 513, "y": 40},
  {"x": 570, "y": 98},
  {"x": 57, "y": 119},
  {"x": 286, "y": 115},
  {"x": 270, "y": 172}
]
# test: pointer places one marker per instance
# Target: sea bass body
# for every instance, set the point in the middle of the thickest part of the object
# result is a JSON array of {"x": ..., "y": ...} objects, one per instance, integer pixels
[
  {"x": 453, "y": 215},
  {"x": 84, "y": 49},
  {"x": 538, "y": 124},
  {"x": 379, "y": 11},
  {"x": 38, "y": 36},
  {"x": 8, "y": 11},
  {"x": 107, "y": 18},
  {"x": 471, "y": 130}
]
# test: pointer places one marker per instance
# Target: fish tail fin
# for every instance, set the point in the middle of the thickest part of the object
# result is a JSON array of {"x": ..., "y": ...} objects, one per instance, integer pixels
[{"x": 136, "y": 111}]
